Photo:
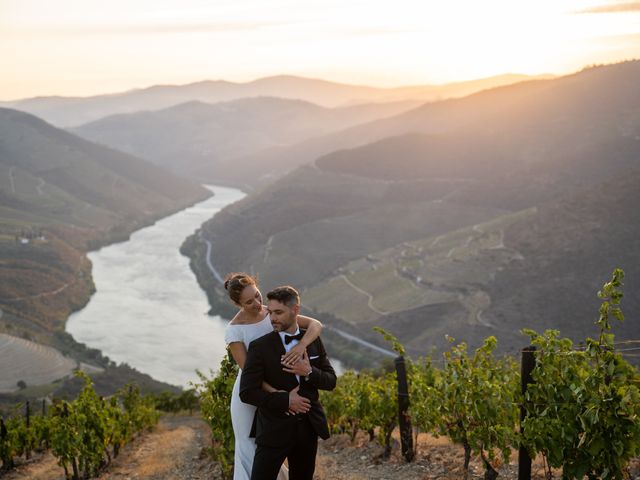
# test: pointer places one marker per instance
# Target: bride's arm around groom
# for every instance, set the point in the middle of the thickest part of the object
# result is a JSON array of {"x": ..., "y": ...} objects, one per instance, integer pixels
[{"x": 278, "y": 434}]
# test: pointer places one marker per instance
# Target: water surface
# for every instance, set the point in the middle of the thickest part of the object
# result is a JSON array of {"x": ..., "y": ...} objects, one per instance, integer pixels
[{"x": 148, "y": 310}]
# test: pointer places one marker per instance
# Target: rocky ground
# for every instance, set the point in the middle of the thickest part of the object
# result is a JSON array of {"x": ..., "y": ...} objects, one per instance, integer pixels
[{"x": 175, "y": 451}]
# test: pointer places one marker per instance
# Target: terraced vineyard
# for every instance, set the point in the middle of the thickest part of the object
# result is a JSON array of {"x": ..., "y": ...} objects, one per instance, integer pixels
[
  {"x": 31, "y": 362},
  {"x": 445, "y": 274}
]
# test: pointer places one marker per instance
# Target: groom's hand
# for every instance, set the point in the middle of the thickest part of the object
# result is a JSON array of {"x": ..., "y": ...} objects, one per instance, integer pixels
[
  {"x": 297, "y": 403},
  {"x": 301, "y": 368}
]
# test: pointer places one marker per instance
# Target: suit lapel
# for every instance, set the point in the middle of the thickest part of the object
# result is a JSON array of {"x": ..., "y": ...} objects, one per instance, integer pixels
[{"x": 278, "y": 347}]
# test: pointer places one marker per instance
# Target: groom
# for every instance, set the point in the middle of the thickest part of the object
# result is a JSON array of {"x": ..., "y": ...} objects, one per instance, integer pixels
[{"x": 279, "y": 433}]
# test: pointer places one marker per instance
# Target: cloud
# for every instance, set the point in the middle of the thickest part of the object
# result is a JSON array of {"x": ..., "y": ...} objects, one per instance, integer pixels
[
  {"x": 615, "y": 8},
  {"x": 188, "y": 28},
  {"x": 159, "y": 28},
  {"x": 364, "y": 31},
  {"x": 629, "y": 39},
  {"x": 382, "y": 30}
]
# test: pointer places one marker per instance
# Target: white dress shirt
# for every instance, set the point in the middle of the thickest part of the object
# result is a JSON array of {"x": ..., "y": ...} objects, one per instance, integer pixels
[{"x": 291, "y": 344}]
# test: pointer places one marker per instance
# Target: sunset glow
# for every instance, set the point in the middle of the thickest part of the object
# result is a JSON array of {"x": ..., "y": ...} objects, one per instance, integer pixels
[{"x": 86, "y": 47}]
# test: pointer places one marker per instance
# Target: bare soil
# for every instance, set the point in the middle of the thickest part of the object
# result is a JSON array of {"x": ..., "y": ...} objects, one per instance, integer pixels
[
  {"x": 172, "y": 451},
  {"x": 176, "y": 450},
  {"x": 436, "y": 458}
]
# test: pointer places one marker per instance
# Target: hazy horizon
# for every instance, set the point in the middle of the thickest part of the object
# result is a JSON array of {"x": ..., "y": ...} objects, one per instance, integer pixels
[
  {"x": 242, "y": 82},
  {"x": 90, "y": 48}
]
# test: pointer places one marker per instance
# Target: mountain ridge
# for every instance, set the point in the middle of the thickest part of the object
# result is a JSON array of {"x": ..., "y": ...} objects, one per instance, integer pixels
[
  {"x": 562, "y": 138},
  {"x": 73, "y": 111},
  {"x": 195, "y": 137},
  {"x": 444, "y": 116}
]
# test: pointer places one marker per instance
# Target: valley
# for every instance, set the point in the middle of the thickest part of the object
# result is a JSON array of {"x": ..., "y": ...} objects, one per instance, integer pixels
[
  {"x": 412, "y": 216},
  {"x": 61, "y": 197},
  {"x": 467, "y": 217}
]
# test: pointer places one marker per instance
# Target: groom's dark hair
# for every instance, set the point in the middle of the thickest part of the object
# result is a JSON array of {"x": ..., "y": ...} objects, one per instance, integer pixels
[{"x": 286, "y": 295}]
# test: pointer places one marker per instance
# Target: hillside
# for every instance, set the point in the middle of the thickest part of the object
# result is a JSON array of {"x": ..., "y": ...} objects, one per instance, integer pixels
[
  {"x": 74, "y": 111},
  {"x": 352, "y": 228},
  {"x": 538, "y": 268},
  {"x": 569, "y": 247},
  {"x": 193, "y": 139},
  {"x": 32, "y": 363},
  {"x": 61, "y": 196},
  {"x": 554, "y": 125},
  {"x": 591, "y": 103}
]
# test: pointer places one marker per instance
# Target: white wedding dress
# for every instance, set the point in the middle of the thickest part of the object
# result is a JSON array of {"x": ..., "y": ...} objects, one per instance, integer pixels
[{"x": 242, "y": 413}]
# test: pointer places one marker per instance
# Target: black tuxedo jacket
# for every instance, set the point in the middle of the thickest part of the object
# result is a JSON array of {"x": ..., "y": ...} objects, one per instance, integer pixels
[{"x": 272, "y": 426}]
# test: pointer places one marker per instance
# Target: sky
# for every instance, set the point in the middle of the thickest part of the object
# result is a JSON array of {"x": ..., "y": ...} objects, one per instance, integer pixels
[{"x": 89, "y": 47}]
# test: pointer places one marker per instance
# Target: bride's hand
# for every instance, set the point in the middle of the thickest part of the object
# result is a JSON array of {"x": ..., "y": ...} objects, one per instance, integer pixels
[{"x": 293, "y": 355}]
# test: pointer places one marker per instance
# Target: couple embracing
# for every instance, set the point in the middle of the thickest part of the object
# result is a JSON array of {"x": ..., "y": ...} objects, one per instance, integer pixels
[{"x": 275, "y": 410}]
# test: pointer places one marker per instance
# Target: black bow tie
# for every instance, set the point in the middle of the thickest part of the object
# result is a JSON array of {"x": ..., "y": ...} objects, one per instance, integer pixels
[{"x": 289, "y": 338}]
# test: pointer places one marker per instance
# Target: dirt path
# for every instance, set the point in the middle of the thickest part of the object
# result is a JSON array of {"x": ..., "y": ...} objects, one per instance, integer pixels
[
  {"x": 41, "y": 183},
  {"x": 11, "y": 180},
  {"x": 367, "y": 294},
  {"x": 40, "y": 295},
  {"x": 171, "y": 452}
]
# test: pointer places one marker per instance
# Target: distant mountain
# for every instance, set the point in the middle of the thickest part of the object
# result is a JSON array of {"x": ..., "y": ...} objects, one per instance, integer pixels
[
  {"x": 61, "y": 195},
  {"x": 195, "y": 138},
  {"x": 122, "y": 185},
  {"x": 74, "y": 111},
  {"x": 434, "y": 226},
  {"x": 529, "y": 125},
  {"x": 525, "y": 110}
]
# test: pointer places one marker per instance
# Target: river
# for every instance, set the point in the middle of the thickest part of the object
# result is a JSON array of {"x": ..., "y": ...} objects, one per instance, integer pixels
[{"x": 148, "y": 310}]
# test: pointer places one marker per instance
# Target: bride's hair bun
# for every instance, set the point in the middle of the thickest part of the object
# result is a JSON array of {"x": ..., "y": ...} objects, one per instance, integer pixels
[{"x": 235, "y": 282}]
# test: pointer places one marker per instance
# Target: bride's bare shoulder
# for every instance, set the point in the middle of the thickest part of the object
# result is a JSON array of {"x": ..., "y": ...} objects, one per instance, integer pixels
[
  {"x": 238, "y": 319},
  {"x": 242, "y": 318}
]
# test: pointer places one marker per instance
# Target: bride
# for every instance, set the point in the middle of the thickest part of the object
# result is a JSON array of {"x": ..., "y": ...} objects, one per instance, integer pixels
[{"x": 252, "y": 321}]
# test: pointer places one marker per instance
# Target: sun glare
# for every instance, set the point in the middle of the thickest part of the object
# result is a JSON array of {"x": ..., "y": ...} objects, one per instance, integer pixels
[{"x": 91, "y": 47}]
